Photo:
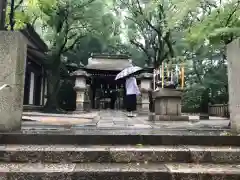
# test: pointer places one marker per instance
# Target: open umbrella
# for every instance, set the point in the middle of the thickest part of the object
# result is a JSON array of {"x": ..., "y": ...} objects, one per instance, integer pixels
[{"x": 128, "y": 71}]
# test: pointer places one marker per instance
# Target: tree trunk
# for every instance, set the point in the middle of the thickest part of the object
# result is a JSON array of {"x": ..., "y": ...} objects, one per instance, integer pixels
[
  {"x": 53, "y": 85},
  {"x": 205, "y": 101},
  {"x": 11, "y": 15},
  {"x": 3, "y": 4},
  {"x": 204, "y": 105}
]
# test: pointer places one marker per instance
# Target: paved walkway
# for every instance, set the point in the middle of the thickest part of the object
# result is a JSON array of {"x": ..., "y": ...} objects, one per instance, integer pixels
[{"x": 116, "y": 120}]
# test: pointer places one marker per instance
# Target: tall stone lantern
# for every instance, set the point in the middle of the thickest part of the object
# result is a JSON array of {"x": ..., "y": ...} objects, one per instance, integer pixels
[
  {"x": 80, "y": 88},
  {"x": 145, "y": 88}
]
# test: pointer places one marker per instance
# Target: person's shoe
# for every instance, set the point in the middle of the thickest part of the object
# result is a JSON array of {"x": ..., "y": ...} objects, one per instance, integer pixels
[{"x": 130, "y": 114}]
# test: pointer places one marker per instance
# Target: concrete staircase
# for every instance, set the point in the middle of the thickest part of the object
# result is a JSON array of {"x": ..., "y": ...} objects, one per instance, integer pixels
[{"x": 100, "y": 156}]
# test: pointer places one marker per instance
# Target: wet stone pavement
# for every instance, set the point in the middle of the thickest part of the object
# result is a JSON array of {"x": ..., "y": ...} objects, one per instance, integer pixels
[
  {"x": 108, "y": 145},
  {"x": 117, "y": 120}
]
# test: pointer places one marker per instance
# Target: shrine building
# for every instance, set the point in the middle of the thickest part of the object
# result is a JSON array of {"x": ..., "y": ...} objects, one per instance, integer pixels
[{"x": 105, "y": 91}]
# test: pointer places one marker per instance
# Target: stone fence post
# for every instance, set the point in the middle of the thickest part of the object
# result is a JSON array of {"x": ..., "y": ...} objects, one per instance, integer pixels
[
  {"x": 13, "y": 50},
  {"x": 80, "y": 88},
  {"x": 87, "y": 101},
  {"x": 233, "y": 54}
]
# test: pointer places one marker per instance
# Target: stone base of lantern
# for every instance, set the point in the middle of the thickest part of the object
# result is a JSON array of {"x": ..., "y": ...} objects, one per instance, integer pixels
[
  {"x": 80, "y": 101},
  {"x": 79, "y": 108},
  {"x": 86, "y": 106},
  {"x": 155, "y": 117},
  {"x": 167, "y": 106}
]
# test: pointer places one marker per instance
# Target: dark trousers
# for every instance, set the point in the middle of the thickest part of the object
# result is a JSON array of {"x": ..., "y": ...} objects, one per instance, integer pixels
[
  {"x": 131, "y": 102},
  {"x": 112, "y": 103}
]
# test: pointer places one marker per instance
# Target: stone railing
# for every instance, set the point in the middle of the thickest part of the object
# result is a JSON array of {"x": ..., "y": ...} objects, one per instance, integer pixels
[
  {"x": 221, "y": 110},
  {"x": 4, "y": 86}
]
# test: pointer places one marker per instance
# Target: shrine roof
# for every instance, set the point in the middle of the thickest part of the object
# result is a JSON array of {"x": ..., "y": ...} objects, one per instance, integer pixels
[
  {"x": 34, "y": 40},
  {"x": 108, "y": 63},
  {"x": 109, "y": 56}
]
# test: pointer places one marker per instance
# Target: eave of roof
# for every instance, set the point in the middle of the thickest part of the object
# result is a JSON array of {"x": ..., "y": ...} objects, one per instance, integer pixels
[
  {"x": 34, "y": 38},
  {"x": 110, "y": 56},
  {"x": 107, "y": 64}
]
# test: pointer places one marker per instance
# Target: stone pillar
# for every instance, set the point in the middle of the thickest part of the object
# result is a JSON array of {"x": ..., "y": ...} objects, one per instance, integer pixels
[
  {"x": 145, "y": 88},
  {"x": 139, "y": 103},
  {"x": 13, "y": 50},
  {"x": 87, "y": 104},
  {"x": 233, "y": 54},
  {"x": 167, "y": 105},
  {"x": 3, "y": 5},
  {"x": 31, "y": 91},
  {"x": 80, "y": 88}
]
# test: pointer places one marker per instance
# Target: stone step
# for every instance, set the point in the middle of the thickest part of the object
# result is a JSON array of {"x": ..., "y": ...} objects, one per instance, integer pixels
[
  {"x": 118, "y": 154},
  {"x": 96, "y": 171},
  {"x": 100, "y": 138}
]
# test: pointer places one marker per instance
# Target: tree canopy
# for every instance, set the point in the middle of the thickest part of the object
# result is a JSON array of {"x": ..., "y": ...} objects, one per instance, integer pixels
[
  {"x": 193, "y": 32},
  {"x": 208, "y": 27}
]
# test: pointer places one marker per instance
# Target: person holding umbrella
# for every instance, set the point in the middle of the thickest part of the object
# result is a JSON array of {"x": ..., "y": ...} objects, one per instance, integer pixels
[
  {"x": 131, "y": 86},
  {"x": 132, "y": 91}
]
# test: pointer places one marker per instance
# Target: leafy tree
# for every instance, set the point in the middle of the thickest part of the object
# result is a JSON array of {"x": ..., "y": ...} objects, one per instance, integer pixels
[
  {"x": 3, "y": 5},
  {"x": 206, "y": 80},
  {"x": 63, "y": 23},
  {"x": 105, "y": 39},
  {"x": 208, "y": 26},
  {"x": 148, "y": 29},
  {"x": 220, "y": 25},
  {"x": 91, "y": 44}
]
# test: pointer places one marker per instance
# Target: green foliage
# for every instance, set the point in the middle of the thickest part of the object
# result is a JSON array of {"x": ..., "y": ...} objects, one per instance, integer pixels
[
  {"x": 63, "y": 24},
  {"x": 206, "y": 79},
  {"x": 20, "y": 18},
  {"x": 220, "y": 25},
  {"x": 147, "y": 28},
  {"x": 206, "y": 27},
  {"x": 188, "y": 31}
]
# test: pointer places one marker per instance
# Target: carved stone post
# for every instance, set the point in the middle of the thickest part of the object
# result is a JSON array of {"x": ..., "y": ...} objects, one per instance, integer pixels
[
  {"x": 13, "y": 50},
  {"x": 139, "y": 103},
  {"x": 87, "y": 104},
  {"x": 233, "y": 53},
  {"x": 145, "y": 88},
  {"x": 80, "y": 88}
]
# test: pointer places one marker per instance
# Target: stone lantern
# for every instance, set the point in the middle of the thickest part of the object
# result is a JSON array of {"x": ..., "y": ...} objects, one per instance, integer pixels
[
  {"x": 80, "y": 88},
  {"x": 145, "y": 88}
]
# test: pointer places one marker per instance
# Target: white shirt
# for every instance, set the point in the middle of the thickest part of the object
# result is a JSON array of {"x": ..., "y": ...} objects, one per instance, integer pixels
[{"x": 131, "y": 86}]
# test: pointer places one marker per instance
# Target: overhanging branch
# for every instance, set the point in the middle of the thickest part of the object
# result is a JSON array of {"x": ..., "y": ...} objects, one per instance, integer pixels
[
  {"x": 18, "y": 5},
  {"x": 232, "y": 13},
  {"x": 140, "y": 46},
  {"x": 169, "y": 44},
  {"x": 86, "y": 4},
  {"x": 145, "y": 19},
  {"x": 74, "y": 43}
]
